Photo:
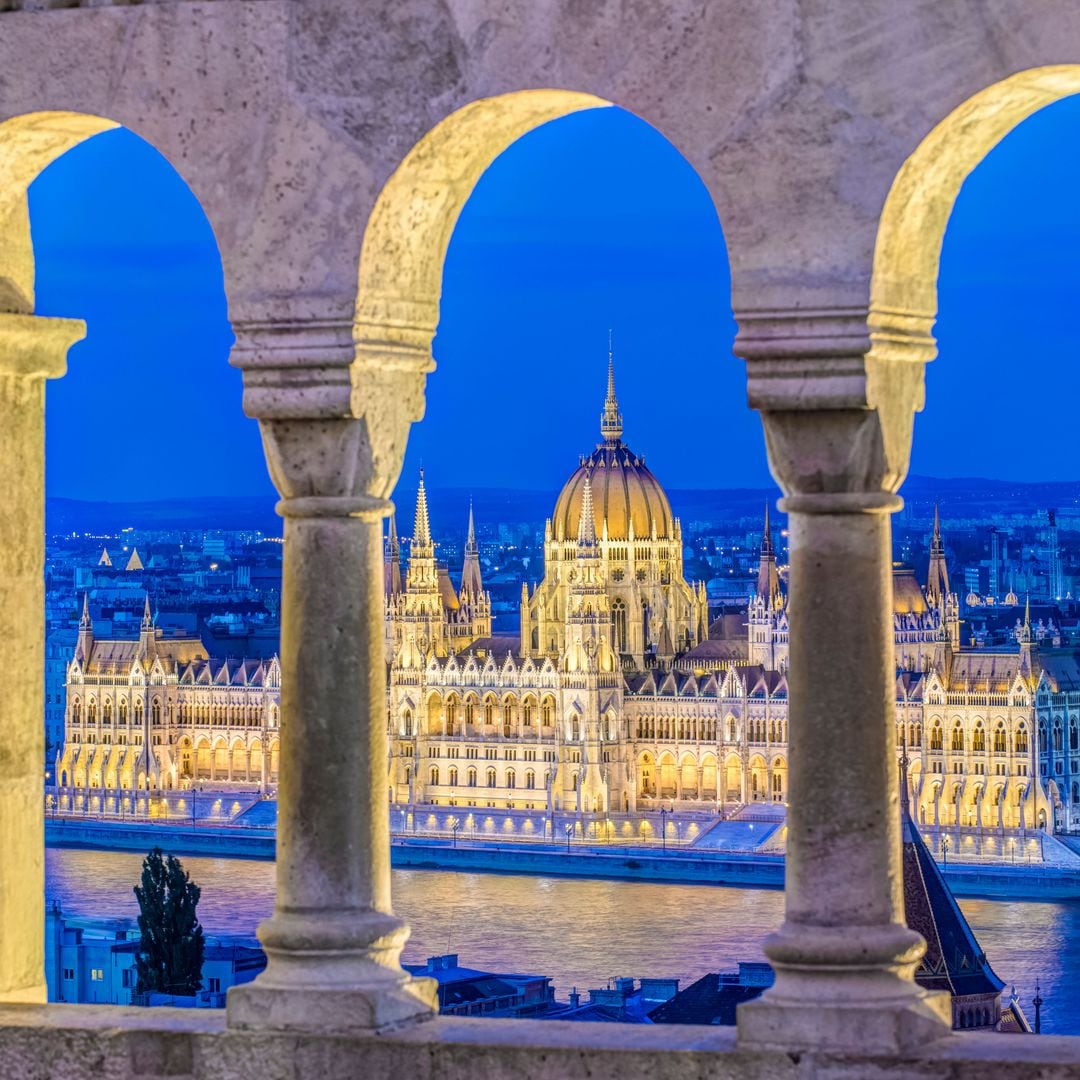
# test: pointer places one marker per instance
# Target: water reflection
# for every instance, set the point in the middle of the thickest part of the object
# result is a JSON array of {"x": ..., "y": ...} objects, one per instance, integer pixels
[{"x": 582, "y": 932}]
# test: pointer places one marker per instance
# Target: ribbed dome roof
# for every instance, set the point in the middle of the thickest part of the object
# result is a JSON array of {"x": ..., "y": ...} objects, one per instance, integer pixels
[{"x": 623, "y": 491}]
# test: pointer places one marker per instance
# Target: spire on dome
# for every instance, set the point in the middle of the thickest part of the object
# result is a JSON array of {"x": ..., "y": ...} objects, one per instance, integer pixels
[
  {"x": 611, "y": 418},
  {"x": 421, "y": 524},
  {"x": 586, "y": 536}
]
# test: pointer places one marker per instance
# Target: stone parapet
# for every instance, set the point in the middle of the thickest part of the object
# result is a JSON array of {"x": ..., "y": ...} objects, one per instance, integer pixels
[{"x": 80, "y": 1042}]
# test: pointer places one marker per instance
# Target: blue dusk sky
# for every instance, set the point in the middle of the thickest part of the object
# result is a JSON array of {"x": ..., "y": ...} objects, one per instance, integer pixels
[{"x": 590, "y": 222}]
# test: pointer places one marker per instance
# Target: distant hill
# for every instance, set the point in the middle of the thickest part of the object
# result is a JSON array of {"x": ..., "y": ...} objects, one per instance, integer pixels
[
  {"x": 219, "y": 512},
  {"x": 449, "y": 507}
]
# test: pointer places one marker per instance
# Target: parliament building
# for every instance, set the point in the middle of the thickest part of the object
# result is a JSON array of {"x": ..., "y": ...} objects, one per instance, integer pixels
[{"x": 619, "y": 694}]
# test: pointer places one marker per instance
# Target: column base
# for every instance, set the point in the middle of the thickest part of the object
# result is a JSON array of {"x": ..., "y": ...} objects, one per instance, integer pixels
[
  {"x": 332, "y": 972},
  {"x": 850, "y": 988},
  {"x": 332, "y": 1009},
  {"x": 876, "y": 1027}
]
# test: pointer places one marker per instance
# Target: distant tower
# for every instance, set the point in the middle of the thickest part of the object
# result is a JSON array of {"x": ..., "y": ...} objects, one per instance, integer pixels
[
  {"x": 104, "y": 560},
  {"x": 1054, "y": 569},
  {"x": 471, "y": 582},
  {"x": 134, "y": 562},
  {"x": 937, "y": 579},
  {"x": 768, "y": 581},
  {"x": 85, "y": 641},
  {"x": 995, "y": 562},
  {"x": 392, "y": 560}
]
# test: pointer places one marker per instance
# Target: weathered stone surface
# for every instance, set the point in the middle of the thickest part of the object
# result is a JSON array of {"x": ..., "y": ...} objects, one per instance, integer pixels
[
  {"x": 333, "y": 144},
  {"x": 87, "y": 1042}
]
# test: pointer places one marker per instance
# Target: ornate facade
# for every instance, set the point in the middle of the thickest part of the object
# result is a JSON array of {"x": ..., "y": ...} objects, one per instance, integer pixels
[
  {"x": 160, "y": 714},
  {"x": 620, "y": 695}
]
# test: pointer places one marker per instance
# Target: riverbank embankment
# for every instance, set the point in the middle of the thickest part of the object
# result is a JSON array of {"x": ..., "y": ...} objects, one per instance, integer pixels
[{"x": 679, "y": 866}]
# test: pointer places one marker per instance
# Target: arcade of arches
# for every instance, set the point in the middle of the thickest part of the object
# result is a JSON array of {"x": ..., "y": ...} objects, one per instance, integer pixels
[{"x": 833, "y": 138}]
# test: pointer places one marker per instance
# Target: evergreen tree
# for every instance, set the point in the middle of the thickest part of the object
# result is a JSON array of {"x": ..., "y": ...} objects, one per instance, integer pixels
[{"x": 170, "y": 956}]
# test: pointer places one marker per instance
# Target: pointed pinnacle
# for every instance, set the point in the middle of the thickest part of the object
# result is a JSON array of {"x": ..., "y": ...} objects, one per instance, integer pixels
[{"x": 421, "y": 524}]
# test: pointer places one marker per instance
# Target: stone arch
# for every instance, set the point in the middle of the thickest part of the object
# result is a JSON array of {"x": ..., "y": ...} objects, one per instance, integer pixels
[
  {"x": 255, "y": 759},
  {"x": 202, "y": 759},
  {"x": 667, "y": 772},
  {"x": 238, "y": 760},
  {"x": 688, "y": 777},
  {"x": 220, "y": 758},
  {"x": 710, "y": 777},
  {"x": 648, "y": 775},
  {"x": 759, "y": 780},
  {"x": 407, "y": 236},
  {"x": 733, "y": 779},
  {"x": 911, "y": 229},
  {"x": 778, "y": 778}
]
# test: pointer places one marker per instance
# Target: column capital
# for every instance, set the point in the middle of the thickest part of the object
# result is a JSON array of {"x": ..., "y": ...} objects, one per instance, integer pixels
[
  {"x": 36, "y": 347},
  {"x": 837, "y": 389},
  {"x": 335, "y": 399}
]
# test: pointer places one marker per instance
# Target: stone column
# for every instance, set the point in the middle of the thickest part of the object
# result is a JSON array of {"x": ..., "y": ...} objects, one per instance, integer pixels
[
  {"x": 333, "y": 944},
  {"x": 838, "y": 428},
  {"x": 31, "y": 350}
]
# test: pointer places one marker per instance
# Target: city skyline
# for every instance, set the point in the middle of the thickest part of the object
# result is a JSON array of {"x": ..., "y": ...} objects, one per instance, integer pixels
[{"x": 560, "y": 255}]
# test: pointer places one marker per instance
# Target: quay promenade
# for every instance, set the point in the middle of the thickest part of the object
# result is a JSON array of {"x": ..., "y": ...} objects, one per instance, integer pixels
[{"x": 737, "y": 853}]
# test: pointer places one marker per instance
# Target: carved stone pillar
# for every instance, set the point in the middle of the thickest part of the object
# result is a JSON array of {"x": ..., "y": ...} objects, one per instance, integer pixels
[
  {"x": 333, "y": 944},
  {"x": 838, "y": 429},
  {"x": 31, "y": 351}
]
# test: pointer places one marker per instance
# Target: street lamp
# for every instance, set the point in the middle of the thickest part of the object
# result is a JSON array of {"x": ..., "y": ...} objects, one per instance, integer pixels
[
  {"x": 454, "y": 826},
  {"x": 945, "y": 853},
  {"x": 664, "y": 811},
  {"x": 569, "y": 834}
]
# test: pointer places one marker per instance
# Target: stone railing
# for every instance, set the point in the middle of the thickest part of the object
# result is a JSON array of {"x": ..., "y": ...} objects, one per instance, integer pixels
[{"x": 86, "y": 1042}]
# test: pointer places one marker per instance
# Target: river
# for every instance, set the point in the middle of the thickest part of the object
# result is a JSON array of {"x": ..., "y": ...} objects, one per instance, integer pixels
[{"x": 581, "y": 931}]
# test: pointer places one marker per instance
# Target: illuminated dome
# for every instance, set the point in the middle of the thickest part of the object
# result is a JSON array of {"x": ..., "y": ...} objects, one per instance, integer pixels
[
  {"x": 624, "y": 491},
  {"x": 1011, "y": 599}
]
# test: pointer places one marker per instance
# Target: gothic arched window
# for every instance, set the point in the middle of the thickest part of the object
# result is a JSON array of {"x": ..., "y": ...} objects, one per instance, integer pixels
[{"x": 618, "y": 625}]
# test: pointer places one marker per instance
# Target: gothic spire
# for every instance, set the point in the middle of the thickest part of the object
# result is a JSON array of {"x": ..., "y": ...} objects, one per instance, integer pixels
[
  {"x": 611, "y": 418},
  {"x": 470, "y": 542},
  {"x": 937, "y": 579},
  {"x": 421, "y": 525},
  {"x": 392, "y": 560},
  {"x": 768, "y": 583},
  {"x": 392, "y": 544},
  {"x": 767, "y": 548},
  {"x": 84, "y": 622},
  {"x": 147, "y": 618},
  {"x": 471, "y": 582}
]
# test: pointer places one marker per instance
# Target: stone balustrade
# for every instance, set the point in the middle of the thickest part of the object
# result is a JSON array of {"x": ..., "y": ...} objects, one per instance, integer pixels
[{"x": 333, "y": 145}]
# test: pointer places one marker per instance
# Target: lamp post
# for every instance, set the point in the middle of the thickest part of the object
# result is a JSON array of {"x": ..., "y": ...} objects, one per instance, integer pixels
[
  {"x": 945, "y": 853},
  {"x": 454, "y": 826},
  {"x": 663, "y": 827},
  {"x": 569, "y": 834},
  {"x": 1038, "y": 1003}
]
